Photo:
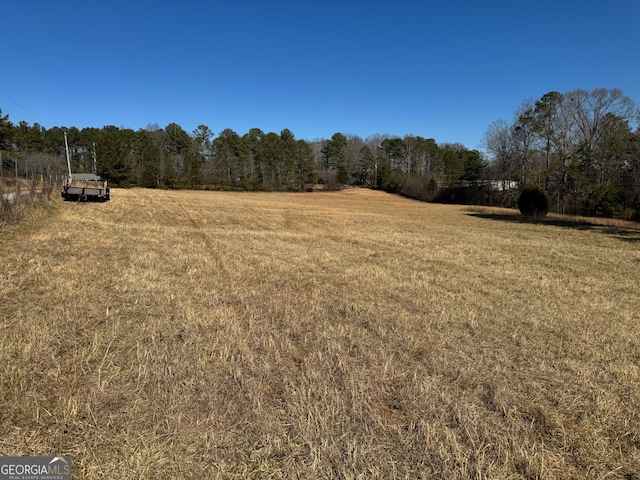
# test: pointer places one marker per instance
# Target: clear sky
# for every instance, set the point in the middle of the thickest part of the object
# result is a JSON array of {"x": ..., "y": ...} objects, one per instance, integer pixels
[{"x": 439, "y": 69}]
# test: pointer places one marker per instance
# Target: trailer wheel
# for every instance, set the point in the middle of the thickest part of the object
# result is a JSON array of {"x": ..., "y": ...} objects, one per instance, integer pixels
[{"x": 83, "y": 198}]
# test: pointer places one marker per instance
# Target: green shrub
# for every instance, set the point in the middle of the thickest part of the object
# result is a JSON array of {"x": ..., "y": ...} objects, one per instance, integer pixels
[{"x": 533, "y": 201}]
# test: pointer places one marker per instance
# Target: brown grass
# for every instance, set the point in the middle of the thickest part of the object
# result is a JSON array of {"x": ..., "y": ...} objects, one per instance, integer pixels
[
  {"x": 350, "y": 334},
  {"x": 25, "y": 200}
]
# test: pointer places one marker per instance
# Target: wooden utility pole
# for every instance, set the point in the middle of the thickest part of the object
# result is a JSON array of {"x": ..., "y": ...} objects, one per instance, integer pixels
[
  {"x": 66, "y": 147},
  {"x": 95, "y": 170}
]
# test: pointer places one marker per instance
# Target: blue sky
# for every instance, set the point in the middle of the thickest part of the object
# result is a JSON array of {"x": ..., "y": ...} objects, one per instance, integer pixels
[{"x": 438, "y": 69}]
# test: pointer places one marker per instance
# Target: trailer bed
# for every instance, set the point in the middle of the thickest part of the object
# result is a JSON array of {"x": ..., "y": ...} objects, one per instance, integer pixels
[
  {"x": 85, "y": 188},
  {"x": 85, "y": 194}
]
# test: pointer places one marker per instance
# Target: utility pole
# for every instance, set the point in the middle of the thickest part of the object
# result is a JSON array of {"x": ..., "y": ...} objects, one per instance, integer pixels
[
  {"x": 95, "y": 170},
  {"x": 66, "y": 147}
]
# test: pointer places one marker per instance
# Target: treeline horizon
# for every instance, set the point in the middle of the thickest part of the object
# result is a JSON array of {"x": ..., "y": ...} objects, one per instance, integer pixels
[
  {"x": 579, "y": 147},
  {"x": 170, "y": 157}
]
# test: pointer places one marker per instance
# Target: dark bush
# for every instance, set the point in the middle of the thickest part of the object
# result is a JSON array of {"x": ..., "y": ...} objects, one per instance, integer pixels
[{"x": 533, "y": 201}]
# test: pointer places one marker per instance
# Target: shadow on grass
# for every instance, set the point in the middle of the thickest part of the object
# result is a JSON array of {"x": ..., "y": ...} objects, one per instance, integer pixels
[{"x": 621, "y": 233}]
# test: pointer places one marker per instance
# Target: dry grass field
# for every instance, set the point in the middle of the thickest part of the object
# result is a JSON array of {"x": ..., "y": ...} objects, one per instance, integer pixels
[{"x": 348, "y": 335}]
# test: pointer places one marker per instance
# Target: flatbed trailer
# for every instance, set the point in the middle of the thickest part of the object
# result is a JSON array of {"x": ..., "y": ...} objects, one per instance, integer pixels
[{"x": 85, "y": 188}]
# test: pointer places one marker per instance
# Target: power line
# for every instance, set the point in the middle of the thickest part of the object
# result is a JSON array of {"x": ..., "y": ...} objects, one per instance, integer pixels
[{"x": 21, "y": 107}]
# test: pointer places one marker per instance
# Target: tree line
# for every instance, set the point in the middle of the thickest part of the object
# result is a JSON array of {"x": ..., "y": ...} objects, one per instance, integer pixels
[
  {"x": 170, "y": 157},
  {"x": 580, "y": 147}
]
